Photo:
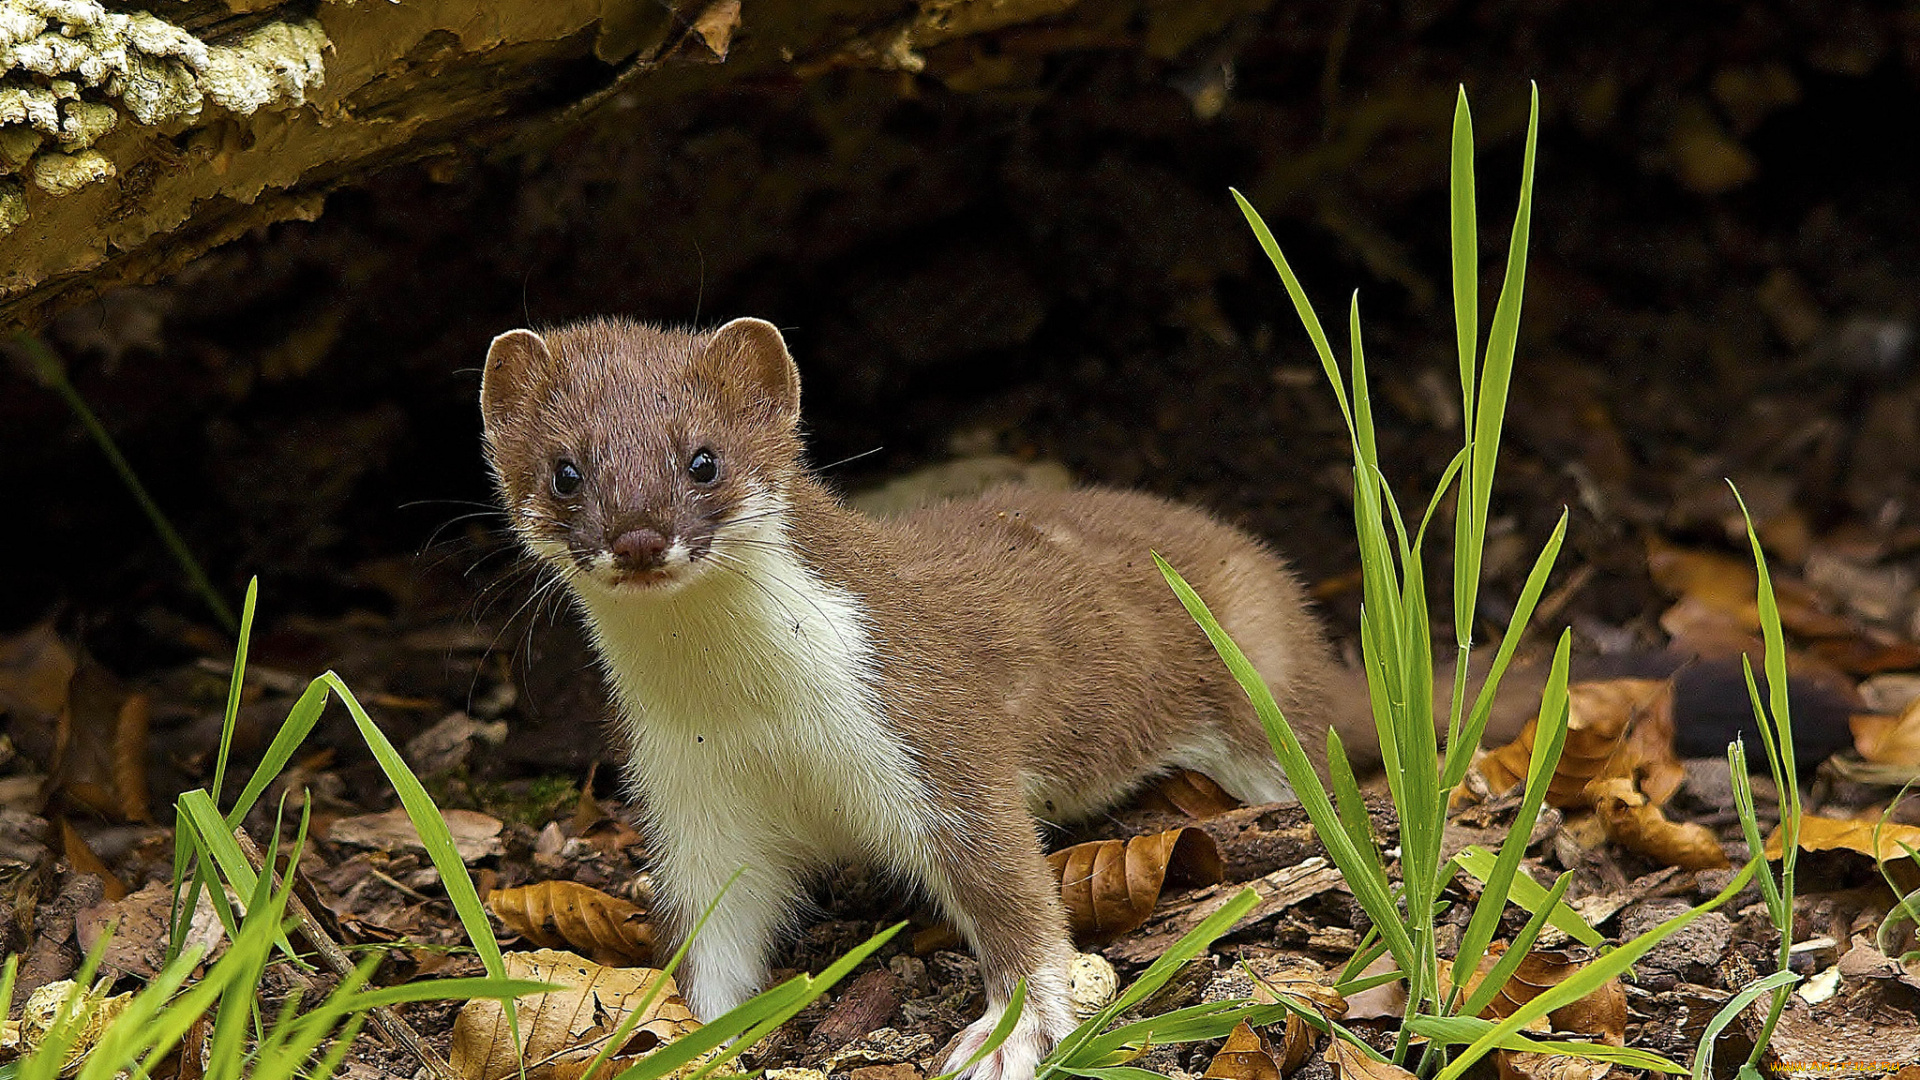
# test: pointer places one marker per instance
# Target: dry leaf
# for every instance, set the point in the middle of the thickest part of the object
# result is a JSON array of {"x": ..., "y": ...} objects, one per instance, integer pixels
[
  {"x": 1190, "y": 793},
  {"x": 1697, "y": 628},
  {"x": 1636, "y": 824},
  {"x": 715, "y": 26},
  {"x": 1729, "y": 584},
  {"x": 75, "y": 717},
  {"x": 1301, "y": 986},
  {"x": 1514, "y": 1065},
  {"x": 1109, "y": 886},
  {"x": 1600, "y": 1015},
  {"x": 1247, "y": 1055},
  {"x": 81, "y": 857},
  {"x": 475, "y": 835},
  {"x": 1615, "y": 727},
  {"x": 36, "y": 671},
  {"x": 562, "y": 1030},
  {"x": 1832, "y": 834},
  {"x": 140, "y": 923},
  {"x": 563, "y": 914},
  {"x": 1351, "y": 1063},
  {"x": 1889, "y": 740},
  {"x": 130, "y": 758}
]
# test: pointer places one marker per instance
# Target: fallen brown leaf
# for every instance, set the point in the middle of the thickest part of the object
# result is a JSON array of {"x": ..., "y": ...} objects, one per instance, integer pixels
[
  {"x": 1351, "y": 1063},
  {"x": 561, "y": 1030},
  {"x": 475, "y": 835},
  {"x": 1247, "y": 1055},
  {"x": 139, "y": 924},
  {"x": 1729, "y": 584},
  {"x": 1109, "y": 887},
  {"x": 1636, "y": 824},
  {"x": 1615, "y": 727},
  {"x": 130, "y": 757},
  {"x": 1889, "y": 740},
  {"x": 716, "y": 24},
  {"x": 81, "y": 857},
  {"x": 1514, "y": 1065},
  {"x": 1871, "y": 838},
  {"x": 1190, "y": 793},
  {"x": 1302, "y": 987},
  {"x": 36, "y": 672},
  {"x": 1600, "y": 1015},
  {"x": 562, "y": 914}
]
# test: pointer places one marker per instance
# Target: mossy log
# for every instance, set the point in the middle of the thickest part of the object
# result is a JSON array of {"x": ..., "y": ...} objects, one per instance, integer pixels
[{"x": 133, "y": 140}]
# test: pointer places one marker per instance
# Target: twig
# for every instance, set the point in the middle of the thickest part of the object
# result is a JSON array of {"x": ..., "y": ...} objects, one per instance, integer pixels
[{"x": 396, "y": 1030}]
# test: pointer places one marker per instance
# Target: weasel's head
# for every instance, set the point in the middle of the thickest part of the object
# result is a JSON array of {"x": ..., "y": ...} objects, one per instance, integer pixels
[{"x": 624, "y": 452}]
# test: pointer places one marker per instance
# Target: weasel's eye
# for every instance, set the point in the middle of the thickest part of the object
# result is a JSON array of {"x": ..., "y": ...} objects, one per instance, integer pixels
[
  {"x": 704, "y": 467},
  {"x": 566, "y": 478}
]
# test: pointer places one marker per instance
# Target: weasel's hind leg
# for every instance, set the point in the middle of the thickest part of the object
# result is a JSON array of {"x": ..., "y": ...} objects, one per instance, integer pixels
[{"x": 1246, "y": 768}]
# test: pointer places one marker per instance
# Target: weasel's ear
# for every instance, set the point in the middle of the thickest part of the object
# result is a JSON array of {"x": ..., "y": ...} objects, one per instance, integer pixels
[
  {"x": 518, "y": 368},
  {"x": 750, "y": 359}
]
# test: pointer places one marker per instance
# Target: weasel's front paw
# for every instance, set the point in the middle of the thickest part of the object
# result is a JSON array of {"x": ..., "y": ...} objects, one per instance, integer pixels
[{"x": 1033, "y": 1035}]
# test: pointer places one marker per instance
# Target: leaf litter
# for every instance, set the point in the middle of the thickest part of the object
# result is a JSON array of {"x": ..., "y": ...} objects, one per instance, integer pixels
[{"x": 563, "y": 867}]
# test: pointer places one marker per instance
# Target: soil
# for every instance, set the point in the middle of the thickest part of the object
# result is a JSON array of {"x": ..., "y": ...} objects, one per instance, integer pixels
[{"x": 1722, "y": 283}]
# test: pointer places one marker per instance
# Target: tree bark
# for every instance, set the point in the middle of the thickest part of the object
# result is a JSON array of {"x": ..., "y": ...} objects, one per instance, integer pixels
[{"x": 133, "y": 142}]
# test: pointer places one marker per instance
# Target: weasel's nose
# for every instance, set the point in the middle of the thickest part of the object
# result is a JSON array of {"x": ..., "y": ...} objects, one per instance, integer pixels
[{"x": 639, "y": 549}]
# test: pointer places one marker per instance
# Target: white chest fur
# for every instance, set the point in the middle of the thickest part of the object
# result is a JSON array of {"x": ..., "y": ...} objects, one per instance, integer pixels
[{"x": 749, "y": 714}]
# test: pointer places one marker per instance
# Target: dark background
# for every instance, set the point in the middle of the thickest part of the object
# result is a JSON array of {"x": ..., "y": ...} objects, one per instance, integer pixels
[{"x": 1034, "y": 251}]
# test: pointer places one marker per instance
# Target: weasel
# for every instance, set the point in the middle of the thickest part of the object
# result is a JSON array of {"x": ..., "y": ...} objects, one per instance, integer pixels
[{"x": 797, "y": 684}]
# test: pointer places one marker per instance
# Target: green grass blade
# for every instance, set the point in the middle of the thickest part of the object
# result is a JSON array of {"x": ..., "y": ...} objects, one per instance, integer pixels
[
  {"x": 1464, "y": 237},
  {"x": 1158, "y": 973},
  {"x": 1460, "y": 755},
  {"x": 432, "y": 828},
  {"x": 746, "y": 1023},
  {"x": 1115, "y": 1072},
  {"x": 1496, "y": 374},
  {"x": 442, "y": 990},
  {"x": 1744, "y": 810},
  {"x": 286, "y": 742},
  {"x": 1549, "y": 739},
  {"x": 1372, "y": 947},
  {"x": 1502, "y": 971},
  {"x": 54, "y": 377},
  {"x": 1529, "y": 895},
  {"x": 1016, "y": 1004},
  {"x": 1368, "y": 888},
  {"x": 1346, "y": 794},
  {"x": 654, "y": 988},
  {"x": 232, "y": 716},
  {"x": 1458, "y": 1030},
  {"x": 1490, "y": 405},
  {"x": 1590, "y": 977},
  {"x": 1703, "y": 1054},
  {"x": 1298, "y": 295}
]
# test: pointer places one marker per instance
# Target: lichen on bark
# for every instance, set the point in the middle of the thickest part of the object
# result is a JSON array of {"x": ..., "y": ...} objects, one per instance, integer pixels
[{"x": 70, "y": 69}]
